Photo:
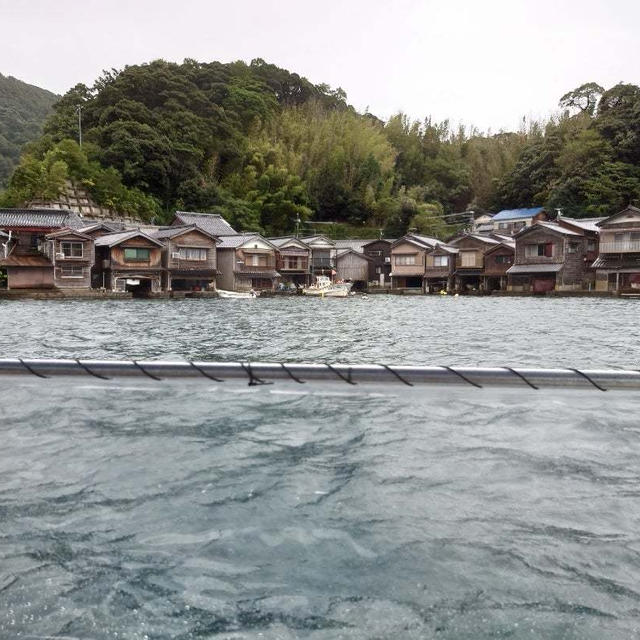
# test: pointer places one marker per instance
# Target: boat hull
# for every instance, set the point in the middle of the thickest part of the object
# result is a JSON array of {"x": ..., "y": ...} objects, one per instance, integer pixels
[{"x": 236, "y": 294}]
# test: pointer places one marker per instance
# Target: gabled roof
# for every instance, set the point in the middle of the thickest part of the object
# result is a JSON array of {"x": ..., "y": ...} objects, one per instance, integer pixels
[
  {"x": 501, "y": 238},
  {"x": 318, "y": 238},
  {"x": 213, "y": 223},
  {"x": 106, "y": 226},
  {"x": 343, "y": 252},
  {"x": 515, "y": 214},
  {"x": 113, "y": 239},
  {"x": 356, "y": 245},
  {"x": 39, "y": 219},
  {"x": 550, "y": 226},
  {"x": 389, "y": 241},
  {"x": 234, "y": 242},
  {"x": 423, "y": 242},
  {"x": 174, "y": 232},
  {"x": 588, "y": 224},
  {"x": 68, "y": 232},
  {"x": 475, "y": 236},
  {"x": 288, "y": 241},
  {"x": 626, "y": 211},
  {"x": 446, "y": 248},
  {"x": 502, "y": 245}
]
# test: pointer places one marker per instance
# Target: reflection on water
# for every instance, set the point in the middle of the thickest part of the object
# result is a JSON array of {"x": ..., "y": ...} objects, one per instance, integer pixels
[{"x": 198, "y": 510}]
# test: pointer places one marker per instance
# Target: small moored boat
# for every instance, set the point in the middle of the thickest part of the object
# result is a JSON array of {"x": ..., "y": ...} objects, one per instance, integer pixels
[
  {"x": 237, "y": 294},
  {"x": 325, "y": 288}
]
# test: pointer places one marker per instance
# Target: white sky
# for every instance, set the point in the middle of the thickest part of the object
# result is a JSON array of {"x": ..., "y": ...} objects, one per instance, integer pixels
[{"x": 487, "y": 63}]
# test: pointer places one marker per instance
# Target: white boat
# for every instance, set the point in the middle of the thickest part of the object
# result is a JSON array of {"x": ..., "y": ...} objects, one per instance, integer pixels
[
  {"x": 237, "y": 294},
  {"x": 323, "y": 287}
]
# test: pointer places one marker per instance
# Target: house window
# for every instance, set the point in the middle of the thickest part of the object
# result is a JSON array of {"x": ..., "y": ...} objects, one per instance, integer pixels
[
  {"x": 468, "y": 259},
  {"x": 573, "y": 247},
  {"x": 71, "y": 249},
  {"x": 519, "y": 225},
  {"x": 256, "y": 260},
  {"x": 405, "y": 260},
  {"x": 539, "y": 250},
  {"x": 591, "y": 244},
  {"x": 192, "y": 253},
  {"x": 136, "y": 254},
  {"x": 503, "y": 225},
  {"x": 378, "y": 270},
  {"x": 440, "y": 261},
  {"x": 71, "y": 271},
  {"x": 503, "y": 260},
  {"x": 374, "y": 254},
  {"x": 293, "y": 263}
]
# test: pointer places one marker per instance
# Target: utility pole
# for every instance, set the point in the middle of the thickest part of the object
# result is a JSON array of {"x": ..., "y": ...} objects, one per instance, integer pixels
[
  {"x": 79, "y": 112},
  {"x": 298, "y": 221}
]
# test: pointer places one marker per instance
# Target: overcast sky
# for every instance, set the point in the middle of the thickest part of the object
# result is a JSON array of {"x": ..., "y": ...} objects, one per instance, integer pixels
[{"x": 485, "y": 63}]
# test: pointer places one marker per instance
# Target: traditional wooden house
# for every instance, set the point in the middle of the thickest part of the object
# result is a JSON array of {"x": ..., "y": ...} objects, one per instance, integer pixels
[
  {"x": 128, "y": 261},
  {"x": 212, "y": 223},
  {"x": 469, "y": 266},
  {"x": 497, "y": 260},
  {"x": 512, "y": 221},
  {"x": 379, "y": 254},
  {"x": 440, "y": 266},
  {"x": 188, "y": 257},
  {"x": 245, "y": 262},
  {"x": 293, "y": 258},
  {"x": 72, "y": 256},
  {"x": 23, "y": 256},
  {"x": 323, "y": 255},
  {"x": 408, "y": 261},
  {"x": 618, "y": 263},
  {"x": 352, "y": 266},
  {"x": 548, "y": 257}
]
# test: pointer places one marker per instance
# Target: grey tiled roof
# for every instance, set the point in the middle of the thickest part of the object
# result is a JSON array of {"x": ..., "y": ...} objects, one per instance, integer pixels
[
  {"x": 45, "y": 218},
  {"x": 356, "y": 245},
  {"x": 112, "y": 239},
  {"x": 535, "y": 268},
  {"x": 233, "y": 242},
  {"x": 172, "y": 232},
  {"x": 213, "y": 223}
]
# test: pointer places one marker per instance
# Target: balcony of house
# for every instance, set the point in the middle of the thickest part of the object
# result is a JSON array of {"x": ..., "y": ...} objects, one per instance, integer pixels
[
  {"x": 322, "y": 263},
  {"x": 407, "y": 265},
  {"x": 293, "y": 267},
  {"x": 191, "y": 258},
  {"x": 469, "y": 260},
  {"x": 620, "y": 246},
  {"x": 254, "y": 266}
]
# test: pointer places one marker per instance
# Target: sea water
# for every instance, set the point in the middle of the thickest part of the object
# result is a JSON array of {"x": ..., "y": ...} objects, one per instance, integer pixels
[{"x": 191, "y": 509}]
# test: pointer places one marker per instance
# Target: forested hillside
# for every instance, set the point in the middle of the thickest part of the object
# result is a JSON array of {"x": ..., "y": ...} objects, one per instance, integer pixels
[
  {"x": 264, "y": 146},
  {"x": 23, "y": 109}
]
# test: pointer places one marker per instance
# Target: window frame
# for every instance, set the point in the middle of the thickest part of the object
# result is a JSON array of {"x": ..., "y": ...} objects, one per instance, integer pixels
[
  {"x": 136, "y": 249},
  {"x": 72, "y": 268},
  {"x": 185, "y": 251},
  {"x": 71, "y": 244}
]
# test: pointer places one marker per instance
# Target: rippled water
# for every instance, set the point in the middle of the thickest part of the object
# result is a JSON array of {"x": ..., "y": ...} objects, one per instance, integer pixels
[
  {"x": 579, "y": 332},
  {"x": 194, "y": 510}
]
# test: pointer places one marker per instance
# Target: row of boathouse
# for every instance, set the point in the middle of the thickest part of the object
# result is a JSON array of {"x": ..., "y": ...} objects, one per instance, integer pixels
[{"x": 519, "y": 251}]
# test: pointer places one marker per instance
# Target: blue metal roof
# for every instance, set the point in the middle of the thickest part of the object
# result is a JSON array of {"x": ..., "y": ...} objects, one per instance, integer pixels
[{"x": 513, "y": 214}]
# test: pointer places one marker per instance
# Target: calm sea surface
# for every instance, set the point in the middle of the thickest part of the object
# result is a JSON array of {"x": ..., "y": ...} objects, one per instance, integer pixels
[{"x": 184, "y": 510}]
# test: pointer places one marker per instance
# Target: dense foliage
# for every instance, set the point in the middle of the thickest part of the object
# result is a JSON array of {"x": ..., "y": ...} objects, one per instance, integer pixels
[
  {"x": 23, "y": 109},
  {"x": 266, "y": 148}
]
